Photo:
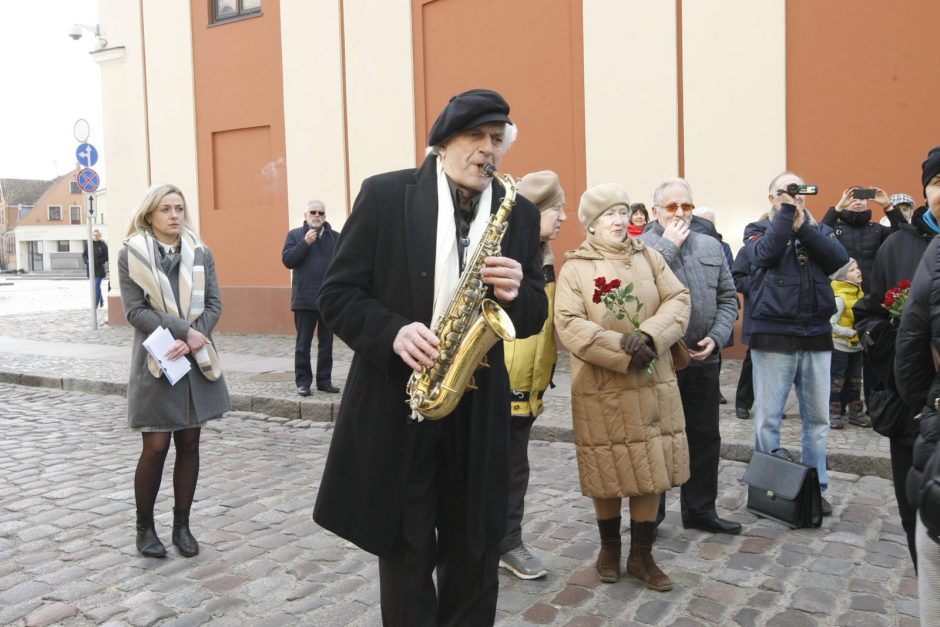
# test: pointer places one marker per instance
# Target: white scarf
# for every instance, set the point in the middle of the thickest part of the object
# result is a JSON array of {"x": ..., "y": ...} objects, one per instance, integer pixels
[
  {"x": 145, "y": 269},
  {"x": 446, "y": 263}
]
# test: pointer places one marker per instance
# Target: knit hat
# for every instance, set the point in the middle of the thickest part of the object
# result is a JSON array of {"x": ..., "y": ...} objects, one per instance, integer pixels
[
  {"x": 598, "y": 199},
  {"x": 902, "y": 199},
  {"x": 466, "y": 111},
  {"x": 542, "y": 188},
  {"x": 930, "y": 167},
  {"x": 842, "y": 273}
]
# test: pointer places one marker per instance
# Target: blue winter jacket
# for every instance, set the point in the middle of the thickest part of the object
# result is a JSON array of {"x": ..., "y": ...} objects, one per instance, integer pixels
[
  {"x": 309, "y": 263},
  {"x": 789, "y": 287}
]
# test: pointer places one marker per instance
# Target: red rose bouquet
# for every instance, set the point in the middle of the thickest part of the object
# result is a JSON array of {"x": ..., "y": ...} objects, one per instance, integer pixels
[
  {"x": 615, "y": 298},
  {"x": 895, "y": 299}
]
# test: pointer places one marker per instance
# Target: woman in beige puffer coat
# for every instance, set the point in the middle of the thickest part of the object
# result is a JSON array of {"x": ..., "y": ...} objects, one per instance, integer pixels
[{"x": 629, "y": 427}]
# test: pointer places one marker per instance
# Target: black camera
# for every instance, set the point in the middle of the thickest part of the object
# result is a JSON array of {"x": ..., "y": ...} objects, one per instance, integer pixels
[
  {"x": 806, "y": 190},
  {"x": 862, "y": 193}
]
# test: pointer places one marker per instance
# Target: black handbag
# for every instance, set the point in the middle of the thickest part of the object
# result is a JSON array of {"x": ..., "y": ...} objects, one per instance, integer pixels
[
  {"x": 785, "y": 491},
  {"x": 889, "y": 415}
]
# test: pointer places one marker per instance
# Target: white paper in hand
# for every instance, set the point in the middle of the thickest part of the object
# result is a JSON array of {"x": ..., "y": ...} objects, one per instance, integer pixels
[{"x": 159, "y": 342}]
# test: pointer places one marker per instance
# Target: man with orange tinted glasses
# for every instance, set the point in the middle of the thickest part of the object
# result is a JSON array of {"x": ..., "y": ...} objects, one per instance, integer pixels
[{"x": 699, "y": 263}]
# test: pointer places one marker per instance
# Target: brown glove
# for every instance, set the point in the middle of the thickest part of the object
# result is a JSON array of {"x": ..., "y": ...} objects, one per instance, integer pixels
[{"x": 638, "y": 347}]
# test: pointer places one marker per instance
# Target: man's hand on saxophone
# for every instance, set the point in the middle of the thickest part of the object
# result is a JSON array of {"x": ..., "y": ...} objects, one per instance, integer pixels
[
  {"x": 505, "y": 275},
  {"x": 416, "y": 345}
]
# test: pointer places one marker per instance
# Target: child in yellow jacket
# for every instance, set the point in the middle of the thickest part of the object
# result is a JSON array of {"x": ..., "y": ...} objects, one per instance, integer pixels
[{"x": 846, "y": 369}]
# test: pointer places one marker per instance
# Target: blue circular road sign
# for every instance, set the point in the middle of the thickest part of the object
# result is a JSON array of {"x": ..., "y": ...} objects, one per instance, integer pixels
[
  {"x": 87, "y": 155},
  {"x": 88, "y": 180}
]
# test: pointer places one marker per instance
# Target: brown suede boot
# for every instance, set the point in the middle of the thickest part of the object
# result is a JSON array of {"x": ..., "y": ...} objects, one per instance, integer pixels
[
  {"x": 608, "y": 558},
  {"x": 640, "y": 563}
]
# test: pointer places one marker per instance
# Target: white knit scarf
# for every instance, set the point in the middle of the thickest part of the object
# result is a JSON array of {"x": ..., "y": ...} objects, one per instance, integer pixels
[
  {"x": 446, "y": 263},
  {"x": 145, "y": 269}
]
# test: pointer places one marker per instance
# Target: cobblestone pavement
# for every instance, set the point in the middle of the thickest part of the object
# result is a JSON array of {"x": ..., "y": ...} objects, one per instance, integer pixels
[{"x": 67, "y": 552}]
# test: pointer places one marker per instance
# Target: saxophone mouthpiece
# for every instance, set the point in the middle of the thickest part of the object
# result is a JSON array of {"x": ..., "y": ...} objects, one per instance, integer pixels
[{"x": 488, "y": 169}]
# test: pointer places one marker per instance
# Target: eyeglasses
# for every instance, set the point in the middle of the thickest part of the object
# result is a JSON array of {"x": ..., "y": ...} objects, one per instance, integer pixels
[
  {"x": 317, "y": 213},
  {"x": 672, "y": 208}
]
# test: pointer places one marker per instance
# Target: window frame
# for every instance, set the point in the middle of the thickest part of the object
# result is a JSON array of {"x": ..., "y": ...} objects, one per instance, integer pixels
[
  {"x": 240, "y": 13},
  {"x": 79, "y": 213},
  {"x": 49, "y": 209},
  {"x": 59, "y": 246},
  {"x": 74, "y": 188}
]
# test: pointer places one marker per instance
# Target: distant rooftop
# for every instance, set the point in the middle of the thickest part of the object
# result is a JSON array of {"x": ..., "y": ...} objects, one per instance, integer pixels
[{"x": 22, "y": 191}]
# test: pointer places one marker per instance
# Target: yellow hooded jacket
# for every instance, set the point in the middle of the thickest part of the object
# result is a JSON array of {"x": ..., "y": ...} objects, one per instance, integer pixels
[{"x": 531, "y": 361}]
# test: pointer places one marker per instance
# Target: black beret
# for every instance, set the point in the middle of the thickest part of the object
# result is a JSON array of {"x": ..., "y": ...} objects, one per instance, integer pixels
[
  {"x": 466, "y": 111},
  {"x": 930, "y": 167}
]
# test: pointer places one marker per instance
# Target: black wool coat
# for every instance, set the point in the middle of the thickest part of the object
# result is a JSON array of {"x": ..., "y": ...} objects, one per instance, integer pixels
[
  {"x": 381, "y": 279},
  {"x": 308, "y": 262}
]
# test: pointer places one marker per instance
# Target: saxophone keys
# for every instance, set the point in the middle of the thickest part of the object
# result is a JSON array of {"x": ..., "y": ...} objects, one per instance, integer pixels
[{"x": 472, "y": 384}]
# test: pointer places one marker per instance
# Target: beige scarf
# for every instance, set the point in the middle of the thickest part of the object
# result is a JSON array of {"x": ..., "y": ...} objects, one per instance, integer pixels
[
  {"x": 145, "y": 269},
  {"x": 446, "y": 264}
]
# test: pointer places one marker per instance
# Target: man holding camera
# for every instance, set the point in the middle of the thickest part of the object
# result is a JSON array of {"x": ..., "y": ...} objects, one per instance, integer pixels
[
  {"x": 850, "y": 219},
  {"x": 308, "y": 251},
  {"x": 791, "y": 302}
]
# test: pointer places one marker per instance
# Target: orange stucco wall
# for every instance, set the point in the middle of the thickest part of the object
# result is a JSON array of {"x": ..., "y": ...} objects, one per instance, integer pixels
[
  {"x": 859, "y": 111},
  {"x": 241, "y": 164},
  {"x": 531, "y": 52}
]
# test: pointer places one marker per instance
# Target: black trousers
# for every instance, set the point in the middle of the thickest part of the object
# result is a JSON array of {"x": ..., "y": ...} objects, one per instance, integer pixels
[
  {"x": 519, "y": 431},
  {"x": 305, "y": 321},
  {"x": 699, "y": 389},
  {"x": 744, "y": 397},
  {"x": 902, "y": 458},
  {"x": 432, "y": 536}
]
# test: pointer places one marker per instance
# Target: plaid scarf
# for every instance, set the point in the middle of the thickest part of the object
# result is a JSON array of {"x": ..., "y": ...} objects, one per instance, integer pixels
[{"x": 146, "y": 270}]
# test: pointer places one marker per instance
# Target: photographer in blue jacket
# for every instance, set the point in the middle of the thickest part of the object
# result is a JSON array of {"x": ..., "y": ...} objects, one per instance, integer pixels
[{"x": 791, "y": 302}]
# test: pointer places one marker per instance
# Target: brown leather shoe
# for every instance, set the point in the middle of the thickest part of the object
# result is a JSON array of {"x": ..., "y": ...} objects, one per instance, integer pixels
[{"x": 640, "y": 562}]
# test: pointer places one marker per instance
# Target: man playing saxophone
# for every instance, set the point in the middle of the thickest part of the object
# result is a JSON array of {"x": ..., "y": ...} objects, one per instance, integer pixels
[{"x": 429, "y": 494}]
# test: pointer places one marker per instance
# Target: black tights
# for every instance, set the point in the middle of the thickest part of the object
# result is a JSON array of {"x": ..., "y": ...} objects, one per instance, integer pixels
[{"x": 150, "y": 468}]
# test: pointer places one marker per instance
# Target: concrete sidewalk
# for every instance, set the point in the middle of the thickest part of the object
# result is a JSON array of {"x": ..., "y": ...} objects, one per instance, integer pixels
[{"x": 60, "y": 350}]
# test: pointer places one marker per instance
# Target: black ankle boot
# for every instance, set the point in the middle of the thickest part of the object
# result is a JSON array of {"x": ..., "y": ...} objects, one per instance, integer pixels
[
  {"x": 183, "y": 540},
  {"x": 148, "y": 544}
]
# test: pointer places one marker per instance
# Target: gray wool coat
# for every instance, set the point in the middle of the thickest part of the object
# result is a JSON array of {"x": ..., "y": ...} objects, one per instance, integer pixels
[
  {"x": 701, "y": 266},
  {"x": 153, "y": 404}
]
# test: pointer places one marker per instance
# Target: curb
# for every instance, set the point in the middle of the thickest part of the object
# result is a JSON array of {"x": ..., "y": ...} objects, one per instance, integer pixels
[{"x": 314, "y": 410}]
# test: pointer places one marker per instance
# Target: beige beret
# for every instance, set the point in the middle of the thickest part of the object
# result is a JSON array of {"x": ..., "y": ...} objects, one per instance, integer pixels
[
  {"x": 542, "y": 188},
  {"x": 598, "y": 199}
]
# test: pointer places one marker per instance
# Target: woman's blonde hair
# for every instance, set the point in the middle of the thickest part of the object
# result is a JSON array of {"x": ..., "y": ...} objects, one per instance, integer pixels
[{"x": 148, "y": 205}]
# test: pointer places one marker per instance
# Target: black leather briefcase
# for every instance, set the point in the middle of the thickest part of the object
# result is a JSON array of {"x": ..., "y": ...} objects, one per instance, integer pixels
[{"x": 785, "y": 491}]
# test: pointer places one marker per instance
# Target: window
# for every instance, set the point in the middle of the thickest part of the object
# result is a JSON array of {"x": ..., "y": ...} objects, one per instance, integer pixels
[
  {"x": 74, "y": 188},
  {"x": 226, "y": 10},
  {"x": 24, "y": 211},
  {"x": 63, "y": 246},
  {"x": 75, "y": 214},
  {"x": 55, "y": 212}
]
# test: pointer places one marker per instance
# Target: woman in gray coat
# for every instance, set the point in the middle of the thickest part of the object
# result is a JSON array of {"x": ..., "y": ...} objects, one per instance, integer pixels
[{"x": 168, "y": 279}]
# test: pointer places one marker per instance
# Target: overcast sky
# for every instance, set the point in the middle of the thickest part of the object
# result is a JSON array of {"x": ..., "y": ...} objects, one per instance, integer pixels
[{"x": 49, "y": 81}]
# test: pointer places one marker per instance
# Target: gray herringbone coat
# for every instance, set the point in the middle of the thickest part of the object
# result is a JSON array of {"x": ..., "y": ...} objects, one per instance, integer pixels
[{"x": 153, "y": 404}]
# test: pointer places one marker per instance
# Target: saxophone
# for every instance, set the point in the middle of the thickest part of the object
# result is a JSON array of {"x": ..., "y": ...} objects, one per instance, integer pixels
[{"x": 470, "y": 326}]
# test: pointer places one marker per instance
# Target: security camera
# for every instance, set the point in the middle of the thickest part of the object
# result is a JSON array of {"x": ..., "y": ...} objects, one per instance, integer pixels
[{"x": 75, "y": 32}]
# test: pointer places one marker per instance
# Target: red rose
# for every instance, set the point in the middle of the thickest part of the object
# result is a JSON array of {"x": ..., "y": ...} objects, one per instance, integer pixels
[
  {"x": 904, "y": 284},
  {"x": 889, "y": 299},
  {"x": 600, "y": 282},
  {"x": 597, "y": 296},
  {"x": 613, "y": 285}
]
